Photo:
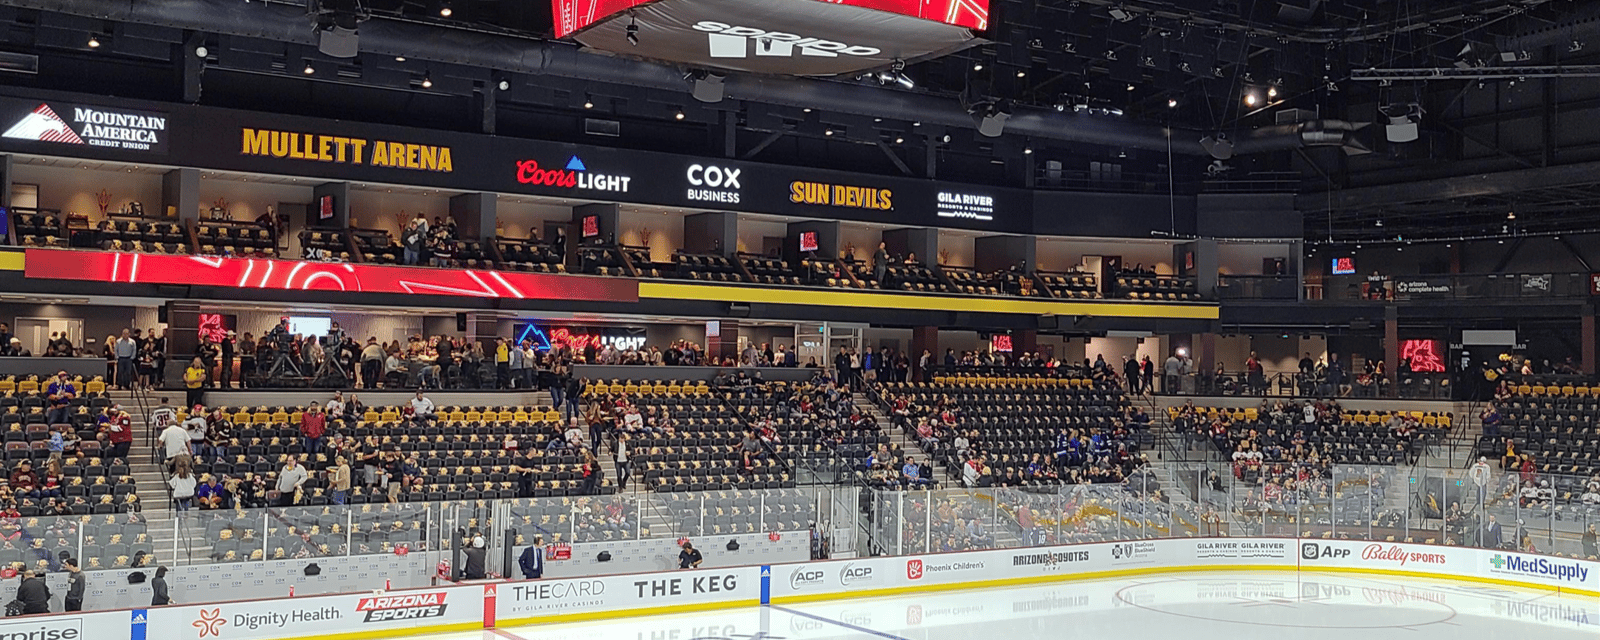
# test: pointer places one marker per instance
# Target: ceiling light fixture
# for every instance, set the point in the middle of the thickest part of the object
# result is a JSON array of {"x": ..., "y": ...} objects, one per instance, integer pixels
[
  {"x": 444, "y": 10},
  {"x": 310, "y": 69},
  {"x": 588, "y": 103},
  {"x": 679, "y": 115},
  {"x": 94, "y": 43},
  {"x": 201, "y": 51},
  {"x": 1250, "y": 99},
  {"x": 399, "y": 58},
  {"x": 1172, "y": 103},
  {"x": 427, "y": 81},
  {"x": 899, "y": 140},
  {"x": 1272, "y": 92},
  {"x": 633, "y": 31},
  {"x": 977, "y": 66}
]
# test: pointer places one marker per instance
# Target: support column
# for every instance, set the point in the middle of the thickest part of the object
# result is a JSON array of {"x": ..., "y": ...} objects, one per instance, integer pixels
[
  {"x": 9, "y": 235},
  {"x": 474, "y": 215},
  {"x": 183, "y": 336},
  {"x": 1024, "y": 341},
  {"x": 1588, "y": 338},
  {"x": 483, "y": 328},
  {"x": 1205, "y": 353},
  {"x": 1206, "y": 262},
  {"x": 722, "y": 340},
  {"x": 998, "y": 253},
  {"x": 827, "y": 240},
  {"x": 924, "y": 339},
  {"x": 922, "y": 242},
  {"x": 180, "y": 195},
  {"x": 340, "y": 192},
  {"x": 715, "y": 232},
  {"x": 1391, "y": 341}
]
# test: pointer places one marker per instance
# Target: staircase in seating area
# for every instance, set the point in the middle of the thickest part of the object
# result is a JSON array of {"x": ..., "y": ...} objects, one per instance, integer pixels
[
  {"x": 150, "y": 480},
  {"x": 906, "y": 441}
]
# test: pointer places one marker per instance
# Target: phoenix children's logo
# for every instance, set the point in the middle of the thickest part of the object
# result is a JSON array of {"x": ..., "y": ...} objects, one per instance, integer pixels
[
  {"x": 913, "y": 569},
  {"x": 210, "y": 623}
]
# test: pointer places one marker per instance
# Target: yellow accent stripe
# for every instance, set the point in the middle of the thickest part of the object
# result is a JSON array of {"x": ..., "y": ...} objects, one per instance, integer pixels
[
  {"x": 1142, "y": 571},
  {"x": 712, "y": 293},
  {"x": 12, "y": 260},
  {"x": 396, "y": 632},
  {"x": 627, "y": 613}
]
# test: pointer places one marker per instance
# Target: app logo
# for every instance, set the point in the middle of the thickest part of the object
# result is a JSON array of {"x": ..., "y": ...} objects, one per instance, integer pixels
[
  {"x": 43, "y": 125},
  {"x": 914, "y": 569},
  {"x": 730, "y": 41},
  {"x": 210, "y": 623},
  {"x": 1309, "y": 550}
]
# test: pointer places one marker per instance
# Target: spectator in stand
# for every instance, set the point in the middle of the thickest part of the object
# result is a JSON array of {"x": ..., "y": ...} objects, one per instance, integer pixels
[
  {"x": 126, "y": 350},
  {"x": 1491, "y": 421},
  {"x": 194, "y": 379},
  {"x": 421, "y": 407},
  {"x": 290, "y": 480},
  {"x": 313, "y": 425},
  {"x": 60, "y": 393},
  {"x": 1130, "y": 373},
  {"x": 212, "y": 495},
  {"x": 174, "y": 441},
  {"x": 413, "y": 238},
  {"x": 183, "y": 486},
  {"x": 119, "y": 431}
]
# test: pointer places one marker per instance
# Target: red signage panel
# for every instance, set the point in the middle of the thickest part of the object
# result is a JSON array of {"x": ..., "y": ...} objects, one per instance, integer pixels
[{"x": 290, "y": 275}]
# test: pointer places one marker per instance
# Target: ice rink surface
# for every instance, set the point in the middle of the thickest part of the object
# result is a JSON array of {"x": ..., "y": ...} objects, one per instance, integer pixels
[{"x": 1302, "y": 606}]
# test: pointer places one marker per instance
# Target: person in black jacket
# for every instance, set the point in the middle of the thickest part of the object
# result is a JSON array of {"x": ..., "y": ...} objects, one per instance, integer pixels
[
  {"x": 33, "y": 593},
  {"x": 158, "y": 588},
  {"x": 532, "y": 560},
  {"x": 75, "y": 585},
  {"x": 476, "y": 557}
]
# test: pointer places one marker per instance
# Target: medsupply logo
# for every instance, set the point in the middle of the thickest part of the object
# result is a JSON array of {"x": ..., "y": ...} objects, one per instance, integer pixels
[
  {"x": 406, "y": 607},
  {"x": 1515, "y": 564},
  {"x": 732, "y": 41},
  {"x": 58, "y": 629},
  {"x": 806, "y": 577}
]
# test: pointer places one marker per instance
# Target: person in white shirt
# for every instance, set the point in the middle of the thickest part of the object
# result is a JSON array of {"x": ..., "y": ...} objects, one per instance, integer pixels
[
  {"x": 421, "y": 407},
  {"x": 335, "y": 408},
  {"x": 175, "y": 442},
  {"x": 574, "y": 434}
]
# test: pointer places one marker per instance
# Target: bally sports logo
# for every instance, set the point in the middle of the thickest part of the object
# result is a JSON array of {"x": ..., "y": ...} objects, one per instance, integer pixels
[
  {"x": 732, "y": 41},
  {"x": 406, "y": 607}
]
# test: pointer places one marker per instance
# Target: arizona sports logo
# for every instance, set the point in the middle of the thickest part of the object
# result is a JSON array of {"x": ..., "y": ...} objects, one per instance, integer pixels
[
  {"x": 914, "y": 569},
  {"x": 406, "y": 607},
  {"x": 210, "y": 623}
]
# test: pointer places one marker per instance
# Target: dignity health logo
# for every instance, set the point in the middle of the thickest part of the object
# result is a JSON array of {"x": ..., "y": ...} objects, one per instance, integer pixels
[{"x": 1522, "y": 565}]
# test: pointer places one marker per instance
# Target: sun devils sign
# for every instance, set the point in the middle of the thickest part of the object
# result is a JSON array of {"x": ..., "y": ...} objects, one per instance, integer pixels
[{"x": 788, "y": 37}]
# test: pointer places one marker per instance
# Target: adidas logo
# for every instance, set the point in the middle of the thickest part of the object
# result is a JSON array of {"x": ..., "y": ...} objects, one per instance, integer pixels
[
  {"x": 729, "y": 41},
  {"x": 43, "y": 125}
]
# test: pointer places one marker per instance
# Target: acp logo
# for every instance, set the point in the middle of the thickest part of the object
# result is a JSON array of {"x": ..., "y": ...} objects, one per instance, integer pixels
[
  {"x": 805, "y": 578},
  {"x": 914, "y": 569},
  {"x": 853, "y": 573},
  {"x": 1314, "y": 551}
]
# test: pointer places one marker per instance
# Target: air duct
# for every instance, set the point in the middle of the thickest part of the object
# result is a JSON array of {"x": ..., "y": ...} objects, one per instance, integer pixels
[{"x": 287, "y": 23}]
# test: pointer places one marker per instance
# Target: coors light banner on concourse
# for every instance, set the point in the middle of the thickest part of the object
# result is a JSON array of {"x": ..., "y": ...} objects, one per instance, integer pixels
[{"x": 785, "y": 37}]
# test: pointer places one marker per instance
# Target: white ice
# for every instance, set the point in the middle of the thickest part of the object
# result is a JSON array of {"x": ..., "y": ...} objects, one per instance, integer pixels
[{"x": 1234, "y": 606}]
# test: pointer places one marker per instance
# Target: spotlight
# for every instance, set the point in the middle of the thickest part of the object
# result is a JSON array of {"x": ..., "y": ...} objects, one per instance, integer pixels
[
  {"x": 1172, "y": 103},
  {"x": 94, "y": 43},
  {"x": 1217, "y": 146},
  {"x": 1511, "y": 215},
  {"x": 505, "y": 86},
  {"x": 977, "y": 66},
  {"x": 444, "y": 10},
  {"x": 678, "y": 115},
  {"x": 427, "y": 81},
  {"x": 1250, "y": 99},
  {"x": 633, "y": 31},
  {"x": 1272, "y": 92},
  {"x": 1022, "y": 74},
  {"x": 899, "y": 140},
  {"x": 1121, "y": 14},
  {"x": 1575, "y": 46},
  {"x": 1130, "y": 87},
  {"x": 588, "y": 103},
  {"x": 947, "y": 138},
  {"x": 309, "y": 69},
  {"x": 1027, "y": 151},
  {"x": 201, "y": 52},
  {"x": 828, "y": 132},
  {"x": 399, "y": 58}
]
